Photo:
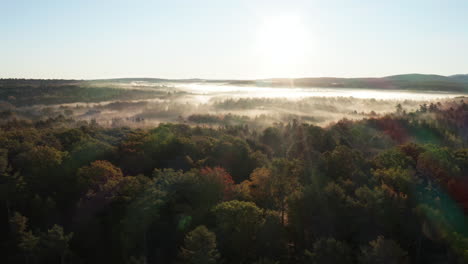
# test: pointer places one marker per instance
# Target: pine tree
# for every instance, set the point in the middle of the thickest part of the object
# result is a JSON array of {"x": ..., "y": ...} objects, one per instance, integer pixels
[{"x": 200, "y": 247}]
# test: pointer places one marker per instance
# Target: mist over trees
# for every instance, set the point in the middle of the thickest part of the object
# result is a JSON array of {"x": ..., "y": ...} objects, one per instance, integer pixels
[
  {"x": 145, "y": 103},
  {"x": 384, "y": 187}
]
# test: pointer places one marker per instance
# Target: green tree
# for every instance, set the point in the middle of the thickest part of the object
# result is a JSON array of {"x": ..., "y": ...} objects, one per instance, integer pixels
[
  {"x": 40, "y": 166},
  {"x": 272, "y": 137},
  {"x": 272, "y": 237},
  {"x": 330, "y": 251},
  {"x": 270, "y": 187},
  {"x": 141, "y": 213},
  {"x": 55, "y": 244},
  {"x": 41, "y": 159},
  {"x": 238, "y": 224},
  {"x": 11, "y": 183},
  {"x": 401, "y": 180},
  {"x": 383, "y": 251},
  {"x": 26, "y": 242},
  {"x": 200, "y": 247},
  {"x": 344, "y": 163},
  {"x": 393, "y": 158},
  {"x": 233, "y": 154}
]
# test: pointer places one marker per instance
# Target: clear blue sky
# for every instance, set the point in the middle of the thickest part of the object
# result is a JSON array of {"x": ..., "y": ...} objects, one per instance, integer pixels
[{"x": 87, "y": 39}]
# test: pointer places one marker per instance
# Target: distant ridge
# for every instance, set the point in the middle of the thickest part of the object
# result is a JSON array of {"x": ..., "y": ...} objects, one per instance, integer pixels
[
  {"x": 412, "y": 77},
  {"x": 418, "y": 77},
  {"x": 413, "y": 81},
  {"x": 403, "y": 81},
  {"x": 460, "y": 77},
  {"x": 146, "y": 79}
]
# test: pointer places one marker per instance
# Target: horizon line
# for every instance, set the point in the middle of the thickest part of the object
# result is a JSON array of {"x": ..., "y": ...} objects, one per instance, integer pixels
[{"x": 229, "y": 79}]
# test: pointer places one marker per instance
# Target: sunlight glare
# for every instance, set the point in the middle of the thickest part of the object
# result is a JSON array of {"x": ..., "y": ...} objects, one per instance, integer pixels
[{"x": 282, "y": 42}]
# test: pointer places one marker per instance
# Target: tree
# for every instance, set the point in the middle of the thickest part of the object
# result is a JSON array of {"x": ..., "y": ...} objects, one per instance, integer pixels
[
  {"x": 85, "y": 151},
  {"x": 220, "y": 179},
  {"x": 143, "y": 211},
  {"x": 399, "y": 109},
  {"x": 272, "y": 137},
  {"x": 70, "y": 137},
  {"x": 393, "y": 158},
  {"x": 10, "y": 183},
  {"x": 55, "y": 244},
  {"x": 194, "y": 192},
  {"x": 40, "y": 165},
  {"x": 25, "y": 240},
  {"x": 271, "y": 239},
  {"x": 100, "y": 176},
  {"x": 284, "y": 182},
  {"x": 343, "y": 163},
  {"x": 259, "y": 187},
  {"x": 237, "y": 226},
  {"x": 233, "y": 154},
  {"x": 99, "y": 184},
  {"x": 319, "y": 212},
  {"x": 438, "y": 163},
  {"x": 330, "y": 251},
  {"x": 200, "y": 247},
  {"x": 399, "y": 179},
  {"x": 383, "y": 251},
  {"x": 3, "y": 160},
  {"x": 270, "y": 187},
  {"x": 41, "y": 159}
]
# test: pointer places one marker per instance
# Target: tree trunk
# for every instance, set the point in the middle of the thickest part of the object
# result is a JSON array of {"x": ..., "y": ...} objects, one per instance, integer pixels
[
  {"x": 418, "y": 252},
  {"x": 7, "y": 204},
  {"x": 282, "y": 212},
  {"x": 145, "y": 261}
]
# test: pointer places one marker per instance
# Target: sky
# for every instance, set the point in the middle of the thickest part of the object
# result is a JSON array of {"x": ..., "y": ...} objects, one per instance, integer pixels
[{"x": 222, "y": 39}]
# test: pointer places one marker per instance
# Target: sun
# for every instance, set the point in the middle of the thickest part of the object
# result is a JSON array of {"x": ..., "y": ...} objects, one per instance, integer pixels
[{"x": 282, "y": 42}]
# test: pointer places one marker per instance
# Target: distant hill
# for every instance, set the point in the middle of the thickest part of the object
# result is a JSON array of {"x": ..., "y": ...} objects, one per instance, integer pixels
[
  {"x": 405, "y": 81},
  {"x": 416, "y": 77},
  {"x": 415, "y": 81},
  {"x": 154, "y": 80},
  {"x": 460, "y": 77}
]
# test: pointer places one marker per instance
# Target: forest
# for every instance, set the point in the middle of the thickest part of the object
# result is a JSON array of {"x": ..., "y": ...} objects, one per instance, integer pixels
[
  {"x": 380, "y": 188},
  {"x": 233, "y": 132},
  {"x": 145, "y": 103}
]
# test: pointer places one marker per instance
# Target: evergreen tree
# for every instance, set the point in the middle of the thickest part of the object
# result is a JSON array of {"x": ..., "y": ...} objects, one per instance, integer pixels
[{"x": 200, "y": 247}]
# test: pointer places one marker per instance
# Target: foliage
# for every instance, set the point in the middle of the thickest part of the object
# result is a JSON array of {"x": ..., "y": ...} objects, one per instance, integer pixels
[
  {"x": 76, "y": 192},
  {"x": 200, "y": 247},
  {"x": 385, "y": 251},
  {"x": 329, "y": 250}
]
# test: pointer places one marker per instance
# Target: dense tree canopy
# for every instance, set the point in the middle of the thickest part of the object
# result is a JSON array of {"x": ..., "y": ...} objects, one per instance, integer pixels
[{"x": 388, "y": 189}]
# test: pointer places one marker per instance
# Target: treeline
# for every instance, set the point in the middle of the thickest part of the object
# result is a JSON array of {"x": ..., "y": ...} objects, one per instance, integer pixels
[
  {"x": 406, "y": 82},
  {"x": 392, "y": 189},
  {"x": 31, "y": 92}
]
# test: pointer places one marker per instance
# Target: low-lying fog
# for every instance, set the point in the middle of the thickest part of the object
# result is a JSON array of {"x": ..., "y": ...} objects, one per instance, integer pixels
[
  {"x": 219, "y": 104},
  {"x": 208, "y": 91}
]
